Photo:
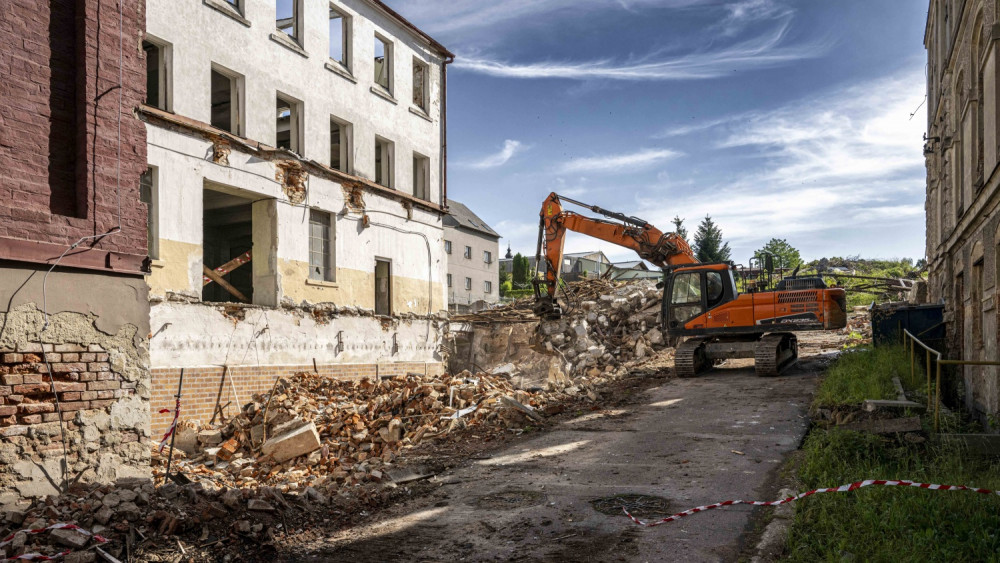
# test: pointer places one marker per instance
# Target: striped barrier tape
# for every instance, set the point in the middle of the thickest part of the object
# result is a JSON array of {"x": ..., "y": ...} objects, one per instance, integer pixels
[
  {"x": 841, "y": 489},
  {"x": 38, "y": 556},
  {"x": 173, "y": 425}
]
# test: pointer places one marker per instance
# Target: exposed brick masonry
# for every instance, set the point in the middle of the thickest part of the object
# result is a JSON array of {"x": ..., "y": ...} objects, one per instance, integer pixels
[{"x": 59, "y": 125}]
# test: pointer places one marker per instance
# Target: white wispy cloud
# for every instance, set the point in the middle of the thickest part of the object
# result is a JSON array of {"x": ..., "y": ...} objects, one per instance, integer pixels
[
  {"x": 697, "y": 126},
  {"x": 764, "y": 51},
  {"x": 842, "y": 168},
  {"x": 510, "y": 148},
  {"x": 448, "y": 17},
  {"x": 744, "y": 12},
  {"x": 618, "y": 162}
]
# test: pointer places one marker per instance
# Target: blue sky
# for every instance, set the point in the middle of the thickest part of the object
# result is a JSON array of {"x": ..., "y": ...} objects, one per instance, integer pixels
[{"x": 778, "y": 118}]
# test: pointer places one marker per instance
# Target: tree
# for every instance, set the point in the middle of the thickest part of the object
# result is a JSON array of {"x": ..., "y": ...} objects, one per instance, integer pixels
[
  {"x": 785, "y": 254},
  {"x": 679, "y": 227},
  {"x": 520, "y": 267},
  {"x": 708, "y": 243}
]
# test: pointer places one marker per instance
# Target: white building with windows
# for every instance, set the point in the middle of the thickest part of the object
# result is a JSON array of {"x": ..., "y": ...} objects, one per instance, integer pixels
[
  {"x": 472, "y": 249},
  {"x": 297, "y": 174}
]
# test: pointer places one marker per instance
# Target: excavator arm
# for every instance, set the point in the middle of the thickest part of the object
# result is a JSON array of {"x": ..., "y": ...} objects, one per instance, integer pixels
[{"x": 651, "y": 244}]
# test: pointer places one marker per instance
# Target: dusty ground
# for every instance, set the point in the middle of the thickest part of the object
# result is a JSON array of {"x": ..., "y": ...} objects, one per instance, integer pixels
[{"x": 692, "y": 442}]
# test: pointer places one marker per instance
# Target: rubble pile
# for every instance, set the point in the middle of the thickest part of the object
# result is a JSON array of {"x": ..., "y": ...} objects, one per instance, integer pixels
[
  {"x": 605, "y": 327},
  {"x": 321, "y": 433}
]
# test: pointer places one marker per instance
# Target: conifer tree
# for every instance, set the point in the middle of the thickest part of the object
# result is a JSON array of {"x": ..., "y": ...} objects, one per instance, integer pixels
[{"x": 708, "y": 243}]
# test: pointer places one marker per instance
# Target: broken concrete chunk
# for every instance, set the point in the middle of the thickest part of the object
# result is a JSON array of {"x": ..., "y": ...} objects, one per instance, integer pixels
[
  {"x": 292, "y": 444},
  {"x": 70, "y": 538},
  {"x": 260, "y": 505},
  {"x": 210, "y": 437}
]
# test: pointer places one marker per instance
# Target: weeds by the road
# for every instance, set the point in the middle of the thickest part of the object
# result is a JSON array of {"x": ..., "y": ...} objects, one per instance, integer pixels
[
  {"x": 863, "y": 374},
  {"x": 889, "y": 523}
]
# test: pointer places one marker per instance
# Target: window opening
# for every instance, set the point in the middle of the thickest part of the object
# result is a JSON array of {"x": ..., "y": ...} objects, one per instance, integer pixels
[
  {"x": 156, "y": 75},
  {"x": 383, "y": 288},
  {"x": 383, "y": 162},
  {"x": 421, "y": 176},
  {"x": 321, "y": 238},
  {"x": 468, "y": 252},
  {"x": 383, "y": 63},
  {"x": 287, "y": 18},
  {"x": 339, "y": 38},
  {"x": 225, "y": 102},
  {"x": 447, "y": 247},
  {"x": 340, "y": 143},
  {"x": 148, "y": 195},
  {"x": 419, "y": 84},
  {"x": 287, "y": 125},
  {"x": 468, "y": 283},
  {"x": 228, "y": 237}
]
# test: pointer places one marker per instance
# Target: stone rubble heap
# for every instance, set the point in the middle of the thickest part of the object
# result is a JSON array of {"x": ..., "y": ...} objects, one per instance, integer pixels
[
  {"x": 605, "y": 329},
  {"x": 324, "y": 433}
]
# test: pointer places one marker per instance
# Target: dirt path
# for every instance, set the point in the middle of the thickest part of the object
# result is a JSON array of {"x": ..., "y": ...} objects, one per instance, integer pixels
[{"x": 677, "y": 440}]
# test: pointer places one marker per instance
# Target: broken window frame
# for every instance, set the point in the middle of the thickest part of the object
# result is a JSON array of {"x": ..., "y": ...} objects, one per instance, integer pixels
[
  {"x": 447, "y": 247},
  {"x": 236, "y": 88},
  {"x": 421, "y": 96},
  {"x": 322, "y": 247},
  {"x": 421, "y": 177},
  {"x": 384, "y": 159},
  {"x": 149, "y": 194},
  {"x": 296, "y": 22},
  {"x": 383, "y": 78},
  {"x": 346, "y": 36},
  {"x": 295, "y": 124},
  {"x": 468, "y": 253},
  {"x": 164, "y": 80},
  {"x": 346, "y": 142}
]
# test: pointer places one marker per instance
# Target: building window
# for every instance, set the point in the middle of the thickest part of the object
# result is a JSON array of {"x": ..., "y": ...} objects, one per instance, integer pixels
[
  {"x": 148, "y": 195},
  {"x": 321, "y": 247},
  {"x": 340, "y": 38},
  {"x": 288, "y": 124},
  {"x": 420, "y": 84},
  {"x": 487, "y": 287},
  {"x": 421, "y": 177},
  {"x": 447, "y": 247},
  {"x": 383, "y": 63},
  {"x": 226, "y": 97},
  {"x": 487, "y": 257},
  {"x": 235, "y": 4},
  {"x": 468, "y": 284},
  {"x": 468, "y": 252},
  {"x": 287, "y": 18},
  {"x": 449, "y": 280},
  {"x": 383, "y": 162},
  {"x": 156, "y": 74},
  {"x": 340, "y": 145}
]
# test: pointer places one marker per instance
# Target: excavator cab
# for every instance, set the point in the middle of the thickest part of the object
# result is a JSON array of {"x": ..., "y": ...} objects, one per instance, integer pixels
[{"x": 693, "y": 290}]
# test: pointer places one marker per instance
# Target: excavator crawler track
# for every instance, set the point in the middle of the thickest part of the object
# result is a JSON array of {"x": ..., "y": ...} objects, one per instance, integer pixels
[
  {"x": 690, "y": 359},
  {"x": 775, "y": 352}
]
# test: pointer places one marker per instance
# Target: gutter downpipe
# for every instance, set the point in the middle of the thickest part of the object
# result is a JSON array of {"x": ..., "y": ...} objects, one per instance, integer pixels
[{"x": 444, "y": 129}]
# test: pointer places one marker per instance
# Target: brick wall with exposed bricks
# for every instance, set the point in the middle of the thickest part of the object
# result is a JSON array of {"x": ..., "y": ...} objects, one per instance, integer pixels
[
  {"x": 59, "y": 129},
  {"x": 204, "y": 387}
]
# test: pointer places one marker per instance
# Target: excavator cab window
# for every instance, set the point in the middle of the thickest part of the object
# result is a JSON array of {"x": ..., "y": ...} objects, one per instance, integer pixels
[
  {"x": 714, "y": 291},
  {"x": 685, "y": 298}
]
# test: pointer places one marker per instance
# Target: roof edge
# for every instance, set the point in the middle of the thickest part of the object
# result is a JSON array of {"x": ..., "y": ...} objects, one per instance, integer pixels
[{"x": 406, "y": 23}]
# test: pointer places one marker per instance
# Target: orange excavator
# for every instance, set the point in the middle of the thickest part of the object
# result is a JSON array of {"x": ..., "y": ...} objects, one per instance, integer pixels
[{"x": 700, "y": 300}]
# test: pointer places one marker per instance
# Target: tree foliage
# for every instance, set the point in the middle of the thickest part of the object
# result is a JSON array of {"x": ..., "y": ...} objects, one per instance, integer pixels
[
  {"x": 679, "y": 227},
  {"x": 785, "y": 254},
  {"x": 521, "y": 267},
  {"x": 708, "y": 243}
]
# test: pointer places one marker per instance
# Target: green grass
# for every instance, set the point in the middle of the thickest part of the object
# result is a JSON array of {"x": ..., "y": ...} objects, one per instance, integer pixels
[
  {"x": 889, "y": 523},
  {"x": 893, "y": 523},
  {"x": 865, "y": 374}
]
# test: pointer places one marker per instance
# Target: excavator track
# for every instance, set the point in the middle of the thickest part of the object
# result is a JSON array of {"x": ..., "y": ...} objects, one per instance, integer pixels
[
  {"x": 690, "y": 359},
  {"x": 775, "y": 352}
]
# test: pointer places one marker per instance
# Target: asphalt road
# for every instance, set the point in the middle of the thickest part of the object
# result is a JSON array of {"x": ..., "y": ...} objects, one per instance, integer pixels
[{"x": 688, "y": 441}]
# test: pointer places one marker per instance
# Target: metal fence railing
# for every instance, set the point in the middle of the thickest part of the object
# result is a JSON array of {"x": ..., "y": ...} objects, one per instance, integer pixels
[{"x": 910, "y": 343}]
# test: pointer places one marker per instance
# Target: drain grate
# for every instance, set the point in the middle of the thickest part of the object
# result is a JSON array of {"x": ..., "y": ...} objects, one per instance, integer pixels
[
  {"x": 510, "y": 499},
  {"x": 639, "y": 505}
]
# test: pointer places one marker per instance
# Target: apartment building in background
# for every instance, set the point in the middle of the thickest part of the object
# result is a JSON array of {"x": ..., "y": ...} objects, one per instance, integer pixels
[
  {"x": 296, "y": 187},
  {"x": 74, "y": 311},
  {"x": 472, "y": 249},
  {"x": 962, "y": 154}
]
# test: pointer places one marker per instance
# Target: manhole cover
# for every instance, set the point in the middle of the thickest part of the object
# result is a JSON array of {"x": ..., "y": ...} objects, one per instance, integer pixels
[
  {"x": 510, "y": 499},
  {"x": 637, "y": 505}
]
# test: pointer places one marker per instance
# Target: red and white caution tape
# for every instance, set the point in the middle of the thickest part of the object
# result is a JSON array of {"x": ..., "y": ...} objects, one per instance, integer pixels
[
  {"x": 173, "y": 425},
  {"x": 841, "y": 489},
  {"x": 38, "y": 556}
]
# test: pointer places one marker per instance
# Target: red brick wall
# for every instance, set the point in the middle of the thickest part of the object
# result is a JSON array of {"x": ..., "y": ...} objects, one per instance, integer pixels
[
  {"x": 201, "y": 386},
  {"x": 58, "y": 146}
]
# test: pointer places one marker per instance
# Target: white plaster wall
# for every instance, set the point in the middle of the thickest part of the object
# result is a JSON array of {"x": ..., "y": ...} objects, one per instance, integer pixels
[
  {"x": 200, "y": 36},
  {"x": 460, "y": 268},
  {"x": 194, "y": 335}
]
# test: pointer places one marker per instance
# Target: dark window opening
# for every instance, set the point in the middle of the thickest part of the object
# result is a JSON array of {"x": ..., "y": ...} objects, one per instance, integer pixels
[
  {"x": 156, "y": 80},
  {"x": 287, "y": 125},
  {"x": 224, "y": 102},
  {"x": 228, "y": 234},
  {"x": 64, "y": 135},
  {"x": 383, "y": 287}
]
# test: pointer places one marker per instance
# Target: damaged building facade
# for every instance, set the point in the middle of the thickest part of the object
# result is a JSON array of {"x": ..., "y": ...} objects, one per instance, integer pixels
[
  {"x": 471, "y": 247},
  {"x": 296, "y": 186},
  {"x": 963, "y": 199},
  {"x": 74, "y": 310}
]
